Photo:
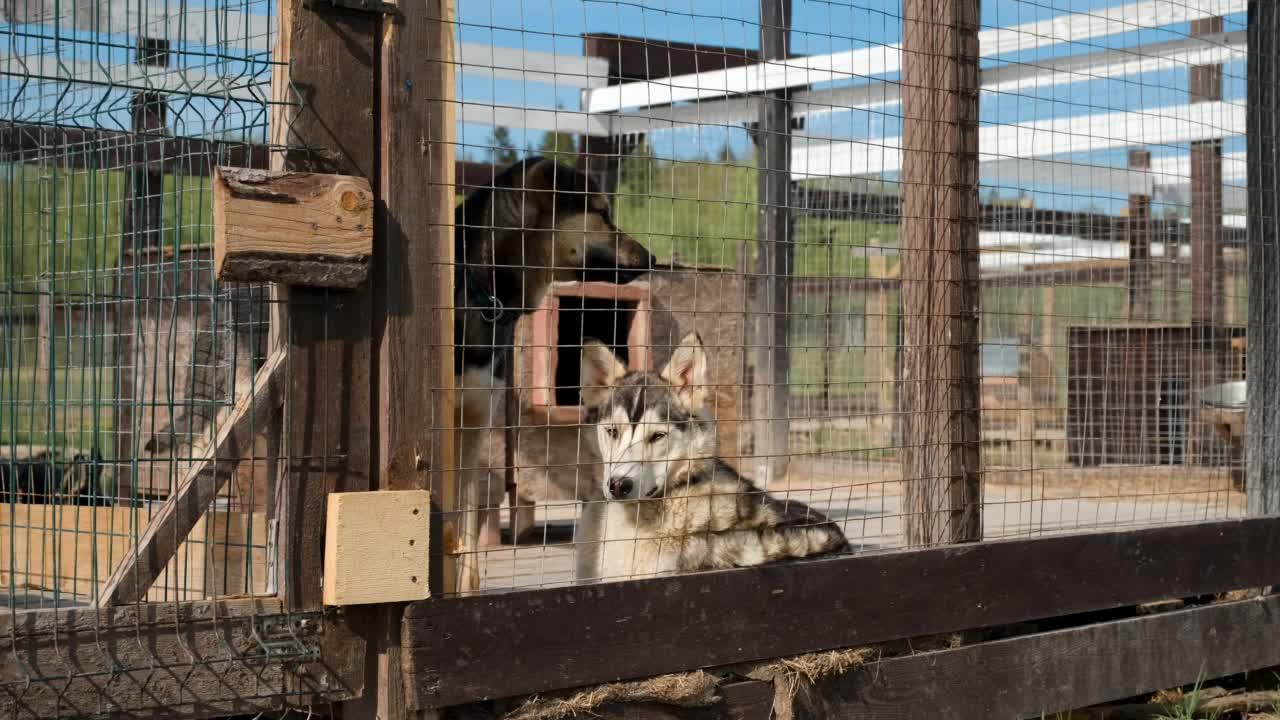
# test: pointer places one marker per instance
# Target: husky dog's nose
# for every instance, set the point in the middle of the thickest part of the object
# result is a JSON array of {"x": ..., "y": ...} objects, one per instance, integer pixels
[{"x": 620, "y": 487}]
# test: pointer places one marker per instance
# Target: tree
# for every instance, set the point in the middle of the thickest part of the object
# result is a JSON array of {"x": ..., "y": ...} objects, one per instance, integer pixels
[
  {"x": 559, "y": 146},
  {"x": 501, "y": 149}
]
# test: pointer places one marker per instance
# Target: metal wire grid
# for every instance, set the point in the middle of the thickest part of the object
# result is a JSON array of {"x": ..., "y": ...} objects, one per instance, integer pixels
[
  {"x": 1096, "y": 349},
  {"x": 121, "y": 349}
]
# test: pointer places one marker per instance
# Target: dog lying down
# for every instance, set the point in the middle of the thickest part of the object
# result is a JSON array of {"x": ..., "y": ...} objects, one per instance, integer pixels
[{"x": 671, "y": 505}]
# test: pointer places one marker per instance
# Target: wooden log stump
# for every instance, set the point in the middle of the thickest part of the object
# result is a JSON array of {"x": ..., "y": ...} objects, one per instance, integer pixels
[{"x": 296, "y": 228}]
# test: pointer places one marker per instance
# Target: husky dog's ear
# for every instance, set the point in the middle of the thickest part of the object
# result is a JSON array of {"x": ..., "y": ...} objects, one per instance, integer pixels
[
  {"x": 518, "y": 201},
  {"x": 600, "y": 369},
  {"x": 687, "y": 372}
]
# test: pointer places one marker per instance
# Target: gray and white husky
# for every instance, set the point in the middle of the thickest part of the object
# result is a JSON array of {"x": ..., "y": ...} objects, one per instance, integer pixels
[{"x": 671, "y": 506}]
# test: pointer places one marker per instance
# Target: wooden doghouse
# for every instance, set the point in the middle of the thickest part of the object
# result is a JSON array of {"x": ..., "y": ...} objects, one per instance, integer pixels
[
  {"x": 571, "y": 314},
  {"x": 1132, "y": 393},
  {"x": 642, "y": 322}
]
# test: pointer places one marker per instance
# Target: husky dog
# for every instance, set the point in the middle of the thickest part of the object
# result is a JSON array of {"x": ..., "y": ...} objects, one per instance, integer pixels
[
  {"x": 541, "y": 222},
  {"x": 672, "y": 505}
]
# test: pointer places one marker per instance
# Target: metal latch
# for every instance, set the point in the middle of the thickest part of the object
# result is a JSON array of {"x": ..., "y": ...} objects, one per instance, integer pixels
[
  {"x": 372, "y": 6},
  {"x": 286, "y": 638}
]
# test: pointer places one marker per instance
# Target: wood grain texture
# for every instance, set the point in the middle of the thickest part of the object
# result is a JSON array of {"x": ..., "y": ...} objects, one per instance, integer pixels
[
  {"x": 139, "y": 568},
  {"x": 1047, "y": 673},
  {"x": 413, "y": 318},
  {"x": 294, "y": 228},
  {"x": 941, "y": 381},
  {"x": 1262, "y": 484},
  {"x": 195, "y": 659},
  {"x": 500, "y": 646},
  {"x": 328, "y": 397},
  {"x": 376, "y": 547}
]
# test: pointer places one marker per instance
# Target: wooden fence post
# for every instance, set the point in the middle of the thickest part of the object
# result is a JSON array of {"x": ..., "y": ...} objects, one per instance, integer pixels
[
  {"x": 1262, "y": 450},
  {"x": 413, "y": 325},
  {"x": 1205, "y": 85},
  {"x": 772, "y": 396},
  {"x": 941, "y": 374},
  {"x": 1138, "y": 230},
  {"x": 327, "y": 396}
]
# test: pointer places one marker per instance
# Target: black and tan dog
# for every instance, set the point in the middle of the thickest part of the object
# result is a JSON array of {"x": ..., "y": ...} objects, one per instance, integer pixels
[{"x": 540, "y": 222}]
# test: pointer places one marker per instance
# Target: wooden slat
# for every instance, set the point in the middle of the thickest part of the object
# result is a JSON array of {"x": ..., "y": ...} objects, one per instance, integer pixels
[
  {"x": 885, "y": 59},
  {"x": 194, "y": 660},
  {"x": 507, "y": 645},
  {"x": 173, "y": 523},
  {"x": 1162, "y": 126}
]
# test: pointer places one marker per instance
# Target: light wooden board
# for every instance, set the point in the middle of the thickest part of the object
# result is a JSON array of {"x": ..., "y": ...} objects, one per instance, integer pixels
[
  {"x": 375, "y": 547},
  {"x": 296, "y": 228},
  {"x": 73, "y": 549}
]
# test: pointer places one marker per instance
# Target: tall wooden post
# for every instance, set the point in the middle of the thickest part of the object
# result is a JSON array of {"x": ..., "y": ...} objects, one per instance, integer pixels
[
  {"x": 1205, "y": 85},
  {"x": 1138, "y": 232},
  {"x": 328, "y": 403},
  {"x": 1262, "y": 449},
  {"x": 413, "y": 317},
  {"x": 941, "y": 373},
  {"x": 771, "y": 398}
]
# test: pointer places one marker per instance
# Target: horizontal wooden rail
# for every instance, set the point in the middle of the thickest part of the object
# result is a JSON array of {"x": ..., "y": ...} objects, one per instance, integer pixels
[
  {"x": 1031, "y": 676},
  {"x": 459, "y": 650}
]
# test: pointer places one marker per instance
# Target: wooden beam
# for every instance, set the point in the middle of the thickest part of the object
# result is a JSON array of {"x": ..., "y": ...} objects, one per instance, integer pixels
[
  {"x": 775, "y": 252},
  {"x": 328, "y": 411},
  {"x": 1262, "y": 452},
  {"x": 941, "y": 462},
  {"x": 644, "y": 628},
  {"x": 198, "y": 488},
  {"x": 96, "y": 149},
  {"x": 1205, "y": 86},
  {"x": 198, "y": 659},
  {"x": 294, "y": 228}
]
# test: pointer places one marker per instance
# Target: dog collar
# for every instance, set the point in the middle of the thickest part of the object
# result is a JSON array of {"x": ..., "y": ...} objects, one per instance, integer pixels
[{"x": 490, "y": 307}]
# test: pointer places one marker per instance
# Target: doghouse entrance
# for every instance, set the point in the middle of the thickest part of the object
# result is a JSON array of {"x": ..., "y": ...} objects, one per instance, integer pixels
[{"x": 587, "y": 318}]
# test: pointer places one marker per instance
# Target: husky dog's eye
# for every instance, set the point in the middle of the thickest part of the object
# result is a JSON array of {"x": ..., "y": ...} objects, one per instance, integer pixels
[
  {"x": 656, "y": 437},
  {"x": 611, "y": 432}
]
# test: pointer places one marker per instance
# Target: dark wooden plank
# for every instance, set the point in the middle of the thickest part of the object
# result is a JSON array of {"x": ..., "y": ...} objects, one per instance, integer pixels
[
  {"x": 413, "y": 317},
  {"x": 1263, "y": 442},
  {"x": 775, "y": 253},
  {"x": 1035, "y": 675},
  {"x": 328, "y": 402},
  {"x": 940, "y": 294},
  {"x": 194, "y": 659},
  {"x": 461, "y": 650}
]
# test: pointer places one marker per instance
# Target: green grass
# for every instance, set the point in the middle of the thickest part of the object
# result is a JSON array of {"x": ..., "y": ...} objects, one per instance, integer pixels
[
  {"x": 1188, "y": 706},
  {"x": 66, "y": 226}
]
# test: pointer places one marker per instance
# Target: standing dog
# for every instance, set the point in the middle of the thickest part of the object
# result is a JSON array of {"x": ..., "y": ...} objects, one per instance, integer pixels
[
  {"x": 541, "y": 222},
  {"x": 673, "y": 506}
]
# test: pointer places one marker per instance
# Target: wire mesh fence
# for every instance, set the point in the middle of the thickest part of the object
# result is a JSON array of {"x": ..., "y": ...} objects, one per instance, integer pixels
[
  {"x": 1109, "y": 246},
  {"x": 122, "y": 353}
]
